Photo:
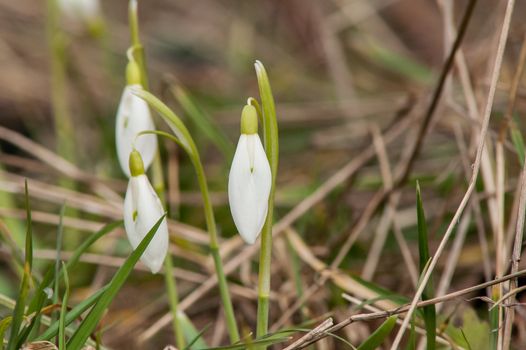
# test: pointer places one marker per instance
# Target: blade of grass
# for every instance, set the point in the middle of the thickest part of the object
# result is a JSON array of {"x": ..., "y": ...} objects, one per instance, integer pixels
[
  {"x": 36, "y": 307},
  {"x": 63, "y": 311},
  {"x": 204, "y": 122},
  {"x": 4, "y": 324},
  {"x": 518, "y": 142},
  {"x": 58, "y": 250},
  {"x": 90, "y": 322},
  {"x": 72, "y": 315},
  {"x": 411, "y": 343},
  {"x": 18, "y": 312},
  {"x": 377, "y": 338},
  {"x": 423, "y": 250},
  {"x": 40, "y": 295}
]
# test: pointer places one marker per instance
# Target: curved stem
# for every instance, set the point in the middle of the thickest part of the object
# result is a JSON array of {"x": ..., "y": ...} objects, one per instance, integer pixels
[
  {"x": 214, "y": 248},
  {"x": 185, "y": 140}
]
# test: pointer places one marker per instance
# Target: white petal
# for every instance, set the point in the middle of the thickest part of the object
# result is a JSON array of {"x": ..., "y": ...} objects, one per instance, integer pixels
[
  {"x": 142, "y": 209},
  {"x": 80, "y": 10},
  {"x": 249, "y": 185},
  {"x": 133, "y": 117}
]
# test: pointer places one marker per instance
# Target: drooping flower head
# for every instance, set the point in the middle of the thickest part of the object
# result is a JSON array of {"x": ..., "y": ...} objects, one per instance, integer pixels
[
  {"x": 133, "y": 117},
  {"x": 80, "y": 10},
  {"x": 250, "y": 179},
  {"x": 142, "y": 209}
]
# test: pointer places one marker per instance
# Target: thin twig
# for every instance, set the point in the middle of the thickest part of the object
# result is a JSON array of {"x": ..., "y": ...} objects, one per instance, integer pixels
[
  {"x": 328, "y": 323},
  {"x": 407, "y": 307},
  {"x": 516, "y": 258},
  {"x": 476, "y": 167}
]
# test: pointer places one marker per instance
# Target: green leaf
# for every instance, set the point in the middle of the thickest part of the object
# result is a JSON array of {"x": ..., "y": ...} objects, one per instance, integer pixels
[
  {"x": 204, "y": 122},
  {"x": 90, "y": 322},
  {"x": 411, "y": 343},
  {"x": 73, "y": 314},
  {"x": 174, "y": 122},
  {"x": 192, "y": 336},
  {"x": 4, "y": 324},
  {"x": 494, "y": 327},
  {"x": 40, "y": 297},
  {"x": 377, "y": 338},
  {"x": 270, "y": 122},
  {"x": 18, "y": 312},
  {"x": 423, "y": 249},
  {"x": 518, "y": 142},
  {"x": 63, "y": 311},
  {"x": 468, "y": 331}
]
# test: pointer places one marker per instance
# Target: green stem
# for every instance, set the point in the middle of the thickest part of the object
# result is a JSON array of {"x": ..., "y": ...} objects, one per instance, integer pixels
[
  {"x": 264, "y": 274},
  {"x": 138, "y": 49},
  {"x": 185, "y": 141},
  {"x": 214, "y": 248},
  {"x": 158, "y": 179},
  {"x": 174, "y": 301},
  {"x": 63, "y": 124}
]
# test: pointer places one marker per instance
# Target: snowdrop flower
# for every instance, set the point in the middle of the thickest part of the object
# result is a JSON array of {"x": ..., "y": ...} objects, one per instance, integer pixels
[
  {"x": 142, "y": 209},
  {"x": 80, "y": 10},
  {"x": 249, "y": 180},
  {"x": 133, "y": 117}
]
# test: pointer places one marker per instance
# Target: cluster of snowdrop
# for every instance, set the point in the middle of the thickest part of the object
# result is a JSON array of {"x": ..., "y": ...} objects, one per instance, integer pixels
[
  {"x": 142, "y": 206},
  {"x": 251, "y": 177},
  {"x": 248, "y": 186}
]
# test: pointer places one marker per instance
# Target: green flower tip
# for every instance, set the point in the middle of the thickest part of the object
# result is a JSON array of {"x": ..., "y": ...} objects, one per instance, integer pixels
[
  {"x": 136, "y": 164},
  {"x": 133, "y": 73},
  {"x": 96, "y": 27},
  {"x": 249, "y": 120}
]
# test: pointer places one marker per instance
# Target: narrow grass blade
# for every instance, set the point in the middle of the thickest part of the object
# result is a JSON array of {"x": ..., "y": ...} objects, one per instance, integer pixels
[
  {"x": 204, "y": 122},
  {"x": 90, "y": 322},
  {"x": 518, "y": 142},
  {"x": 494, "y": 328},
  {"x": 18, "y": 312},
  {"x": 377, "y": 338},
  {"x": 63, "y": 311},
  {"x": 411, "y": 343},
  {"x": 40, "y": 295},
  {"x": 72, "y": 315},
  {"x": 4, "y": 324},
  {"x": 58, "y": 249},
  {"x": 423, "y": 249}
]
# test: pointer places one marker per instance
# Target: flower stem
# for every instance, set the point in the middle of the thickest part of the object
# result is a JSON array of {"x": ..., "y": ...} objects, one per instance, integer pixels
[
  {"x": 171, "y": 286},
  {"x": 214, "y": 249},
  {"x": 183, "y": 138},
  {"x": 158, "y": 179}
]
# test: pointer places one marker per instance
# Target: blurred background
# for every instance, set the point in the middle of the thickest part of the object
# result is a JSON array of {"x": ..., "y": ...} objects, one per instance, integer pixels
[{"x": 352, "y": 80}]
